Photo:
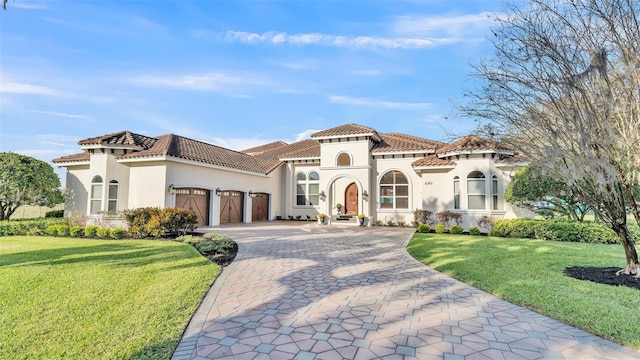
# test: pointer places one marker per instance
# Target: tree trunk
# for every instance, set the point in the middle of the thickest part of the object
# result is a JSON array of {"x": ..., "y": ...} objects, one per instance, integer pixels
[{"x": 633, "y": 267}]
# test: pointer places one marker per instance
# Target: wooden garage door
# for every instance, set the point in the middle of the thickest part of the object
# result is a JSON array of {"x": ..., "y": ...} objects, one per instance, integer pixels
[
  {"x": 231, "y": 207},
  {"x": 196, "y": 200},
  {"x": 260, "y": 207}
]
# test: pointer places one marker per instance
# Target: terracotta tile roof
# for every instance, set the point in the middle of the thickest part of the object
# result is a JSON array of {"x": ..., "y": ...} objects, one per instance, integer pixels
[
  {"x": 185, "y": 148},
  {"x": 402, "y": 142},
  {"x": 270, "y": 160},
  {"x": 432, "y": 160},
  {"x": 347, "y": 129},
  {"x": 473, "y": 142},
  {"x": 262, "y": 148},
  {"x": 81, "y": 157},
  {"x": 121, "y": 138},
  {"x": 515, "y": 159}
]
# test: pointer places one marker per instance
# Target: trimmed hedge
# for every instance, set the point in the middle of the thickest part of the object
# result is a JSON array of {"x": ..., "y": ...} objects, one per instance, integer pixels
[
  {"x": 29, "y": 227},
  {"x": 571, "y": 231},
  {"x": 156, "y": 222}
]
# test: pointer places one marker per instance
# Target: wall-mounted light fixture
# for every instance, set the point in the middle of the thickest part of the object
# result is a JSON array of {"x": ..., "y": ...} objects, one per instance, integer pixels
[
  {"x": 365, "y": 195},
  {"x": 218, "y": 192},
  {"x": 172, "y": 190},
  {"x": 322, "y": 195}
]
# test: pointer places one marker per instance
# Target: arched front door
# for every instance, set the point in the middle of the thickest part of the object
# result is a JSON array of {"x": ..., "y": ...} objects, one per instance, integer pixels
[{"x": 351, "y": 199}]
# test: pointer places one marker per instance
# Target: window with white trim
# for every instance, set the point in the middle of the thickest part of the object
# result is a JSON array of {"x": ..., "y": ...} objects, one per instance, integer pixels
[
  {"x": 307, "y": 189},
  {"x": 96, "y": 195},
  {"x": 476, "y": 190},
  {"x": 394, "y": 191},
  {"x": 456, "y": 192},
  {"x": 494, "y": 191},
  {"x": 344, "y": 159},
  {"x": 112, "y": 198}
]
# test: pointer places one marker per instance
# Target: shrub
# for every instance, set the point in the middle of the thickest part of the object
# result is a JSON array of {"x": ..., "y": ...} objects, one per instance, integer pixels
[
  {"x": 402, "y": 223},
  {"x": 456, "y": 229},
  {"x": 138, "y": 219},
  {"x": 156, "y": 222},
  {"x": 54, "y": 214},
  {"x": 422, "y": 216},
  {"x": 439, "y": 228},
  {"x": 474, "y": 231},
  {"x": 390, "y": 223},
  {"x": 449, "y": 218},
  {"x": 63, "y": 230},
  {"x": 298, "y": 217},
  {"x": 184, "y": 238},
  {"x": 90, "y": 231},
  {"x": 572, "y": 231},
  {"x": 485, "y": 223},
  {"x": 221, "y": 246},
  {"x": 379, "y": 222},
  {"x": 29, "y": 226},
  {"x": 117, "y": 233},
  {"x": 76, "y": 231},
  {"x": 103, "y": 233},
  {"x": 177, "y": 221},
  {"x": 51, "y": 230},
  {"x": 214, "y": 236},
  {"x": 424, "y": 228}
]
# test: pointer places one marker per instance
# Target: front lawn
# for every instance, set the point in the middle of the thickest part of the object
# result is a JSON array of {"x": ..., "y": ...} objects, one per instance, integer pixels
[
  {"x": 97, "y": 299},
  {"x": 529, "y": 273}
]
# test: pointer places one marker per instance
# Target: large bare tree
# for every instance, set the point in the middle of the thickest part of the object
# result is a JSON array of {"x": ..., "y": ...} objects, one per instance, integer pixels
[{"x": 564, "y": 85}]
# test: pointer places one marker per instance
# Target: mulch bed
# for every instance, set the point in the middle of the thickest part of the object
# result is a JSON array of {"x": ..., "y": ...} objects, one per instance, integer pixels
[
  {"x": 223, "y": 259},
  {"x": 604, "y": 275}
]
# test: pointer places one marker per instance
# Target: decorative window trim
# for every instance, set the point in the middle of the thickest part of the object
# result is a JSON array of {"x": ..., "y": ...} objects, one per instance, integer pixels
[
  {"x": 476, "y": 177},
  {"x": 307, "y": 189},
  {"x": 394, "y": 192},
  {"x": 95, "y": 200},
  {"x": 340, "y": 159}
]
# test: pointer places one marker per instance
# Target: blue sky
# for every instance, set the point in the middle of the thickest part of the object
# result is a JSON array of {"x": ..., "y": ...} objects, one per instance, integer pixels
[{"x": 233, "y": 73}]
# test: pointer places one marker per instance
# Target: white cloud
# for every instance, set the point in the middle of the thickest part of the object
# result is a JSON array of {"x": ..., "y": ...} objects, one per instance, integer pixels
[
  {"x": 305, "y": 134},
  {"x": 377, "y": 103},
  {"x": 337, "y": 40},
  {"x": 239, "y": 144},
  {"x": 22, "y": 88},
  {"x": 197, "y": 82},
  {"x": 61, "y": 114},
  {"x": 456, "y": 26},
  {"x": 26, "y": 5},
  {"x": 368, "y": 72}
]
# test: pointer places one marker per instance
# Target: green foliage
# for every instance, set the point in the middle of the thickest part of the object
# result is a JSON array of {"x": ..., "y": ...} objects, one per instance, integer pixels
[
  {"x": 391, "y": 223},
  {"x": 222, "y": 246},
  {"x": 485, "y": 222},
  {"x": 26, "y": 181},
  {"x": 156, "y": 222},
  {"x": 76, "y": 231},
  {"x": 424, "y": 228},
  {"x": 29, "y": 226},
  {"x": 439, "y": 229},
  {"x": 474, "y": 231},
  {"x": 90, "y": 231},
  {"x": 63, "y": 230},
  {"x": 103, "y": 233},
  {"x": 378, "y": 222},
  {"x": 571, "y": 231},
  {"x": 54, "y": 214},
  {"x": 214, "y": 236},
  {"x": 117, "y": 233},
  {"x": 402, "y": 223},
  {"x": 449, "y": 218},
  {"x": 456, "y": 229}
]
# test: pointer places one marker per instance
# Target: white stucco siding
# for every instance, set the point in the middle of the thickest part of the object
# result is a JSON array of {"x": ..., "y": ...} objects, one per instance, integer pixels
[
  {"x": 77, "y": 189},
  {"x": 357, "y": 149},
  {"x": 382, "y": 166},
  {"x": 148, "y": 186}
]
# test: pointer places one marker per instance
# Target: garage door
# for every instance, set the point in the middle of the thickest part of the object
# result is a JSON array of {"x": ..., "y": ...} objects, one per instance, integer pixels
[
  {"x": 231, "y": 206},
  {"x": 196, "y": 200},
  {"x": 260, "y": 207}
]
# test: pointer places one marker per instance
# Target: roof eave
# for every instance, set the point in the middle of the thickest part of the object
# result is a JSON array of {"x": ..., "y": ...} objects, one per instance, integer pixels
[
  {"x": 112, "y": 146},
  {"x": 483, "y": 151},
  {"x": 71, "y": 163},
  {"x": 430, "y": 167}
]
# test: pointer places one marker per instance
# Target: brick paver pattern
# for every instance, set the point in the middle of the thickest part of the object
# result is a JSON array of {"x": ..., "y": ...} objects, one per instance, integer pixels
[{"x": 325, "y": 292}]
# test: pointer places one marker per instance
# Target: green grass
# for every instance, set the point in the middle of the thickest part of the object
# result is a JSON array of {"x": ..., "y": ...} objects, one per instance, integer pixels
[
  {"x": 97, "y": 299},
  {"x": 529, "y": 273}
]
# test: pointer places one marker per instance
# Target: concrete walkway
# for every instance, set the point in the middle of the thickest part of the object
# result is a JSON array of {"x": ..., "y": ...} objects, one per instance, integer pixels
[{"x": 324, "y": 292}]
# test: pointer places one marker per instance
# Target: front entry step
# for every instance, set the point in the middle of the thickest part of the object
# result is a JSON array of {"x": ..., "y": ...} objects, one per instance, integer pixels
[{"x": 344, "y": 218}]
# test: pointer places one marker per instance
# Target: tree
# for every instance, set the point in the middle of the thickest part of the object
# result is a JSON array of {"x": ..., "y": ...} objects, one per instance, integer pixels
[
  {"x": 26, "y": 181},
  {"x": 529, "y": 187},
  {"x": 564, "y": 84}
]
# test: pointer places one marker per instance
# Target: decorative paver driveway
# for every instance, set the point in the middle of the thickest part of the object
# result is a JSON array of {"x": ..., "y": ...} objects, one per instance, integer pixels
[{"x": 323, "y": 292}]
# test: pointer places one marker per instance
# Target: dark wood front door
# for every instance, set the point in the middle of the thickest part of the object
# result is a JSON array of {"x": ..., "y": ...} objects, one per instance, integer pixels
[
  {"x": 260, "y": 207},
  {"x": 196, "y": 200},
  {"x": 351, "y": 199},
  {"x": 231, "y": 207}
]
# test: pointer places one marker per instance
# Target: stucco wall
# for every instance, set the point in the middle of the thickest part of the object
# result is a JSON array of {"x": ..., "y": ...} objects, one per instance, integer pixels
[
  {"x": 77, "y": 189},
  {"x": 381, "y": 167}
]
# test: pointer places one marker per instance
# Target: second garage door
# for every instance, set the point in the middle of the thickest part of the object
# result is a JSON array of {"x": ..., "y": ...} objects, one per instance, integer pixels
[{"x": 231, "y": 206}]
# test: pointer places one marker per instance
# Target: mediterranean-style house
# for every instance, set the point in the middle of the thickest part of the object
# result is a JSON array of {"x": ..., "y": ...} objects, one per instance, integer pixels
[{"x": 385, "y": 176}]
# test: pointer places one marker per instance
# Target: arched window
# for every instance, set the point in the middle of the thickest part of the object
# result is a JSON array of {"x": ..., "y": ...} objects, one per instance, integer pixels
[
  {"x": 96, "y": 195},
  {"x": 476, "y": 190},
  {"x": 344, "y": 159},
  {"x": 307, "y": 189},
  {"x": 394, "y": 191},
  {"x": 112, "y": 199},
  {"x": 494, "y": 191},
  {"x": 456, "y": 192}
]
